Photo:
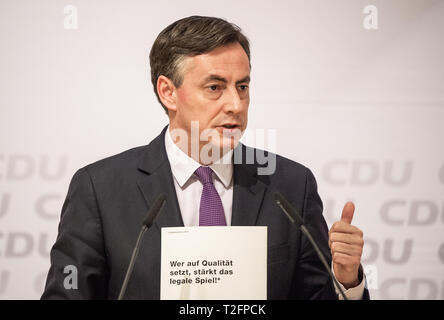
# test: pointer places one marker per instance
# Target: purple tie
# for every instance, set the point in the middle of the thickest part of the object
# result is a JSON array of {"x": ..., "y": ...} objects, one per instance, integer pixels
[{"x": 211, "y": 212}]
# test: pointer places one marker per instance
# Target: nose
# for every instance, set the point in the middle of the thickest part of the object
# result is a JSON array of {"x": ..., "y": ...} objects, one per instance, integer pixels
[{"x": 233, "y": 103}]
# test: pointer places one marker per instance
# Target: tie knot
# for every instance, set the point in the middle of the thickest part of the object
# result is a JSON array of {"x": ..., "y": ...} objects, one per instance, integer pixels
[{"x": 204, "y": 174}]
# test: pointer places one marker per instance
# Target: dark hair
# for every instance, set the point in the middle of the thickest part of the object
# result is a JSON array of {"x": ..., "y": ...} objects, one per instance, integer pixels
[{"x": 189, "y": 37}]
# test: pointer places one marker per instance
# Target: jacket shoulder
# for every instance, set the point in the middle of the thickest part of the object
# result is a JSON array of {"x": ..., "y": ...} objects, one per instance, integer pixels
[
  {"x": 275, "y": 166},
  {"x": 118, "y": 164}
]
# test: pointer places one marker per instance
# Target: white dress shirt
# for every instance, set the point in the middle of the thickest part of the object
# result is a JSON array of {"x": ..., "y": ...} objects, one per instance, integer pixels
[
  {"x": 189, "y": 188},
  {"x": 189, "y": 191}
]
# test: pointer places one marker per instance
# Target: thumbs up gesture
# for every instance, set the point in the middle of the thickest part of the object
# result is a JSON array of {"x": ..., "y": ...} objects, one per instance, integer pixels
[{"x": 346, "y": 243}]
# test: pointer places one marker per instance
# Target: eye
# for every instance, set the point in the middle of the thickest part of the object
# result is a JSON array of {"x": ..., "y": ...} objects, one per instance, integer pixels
[
  {"x": 243, "y": 87},
  {"x": 214, "y": 87}
]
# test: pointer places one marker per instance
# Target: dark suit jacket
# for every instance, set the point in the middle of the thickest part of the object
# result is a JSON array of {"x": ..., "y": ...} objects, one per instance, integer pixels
[{"x": 107, "y": 201}]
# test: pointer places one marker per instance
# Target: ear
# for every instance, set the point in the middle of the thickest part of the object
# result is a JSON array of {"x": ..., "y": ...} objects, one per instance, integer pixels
[{"x": 167, "y": 92}]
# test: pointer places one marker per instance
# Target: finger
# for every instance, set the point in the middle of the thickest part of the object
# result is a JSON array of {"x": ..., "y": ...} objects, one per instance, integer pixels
[
  {"x": 344, "y": 227},
  {"x": 345, "y": 260},
  {"x": 347, "y": 212},
  {"x": 345, "y": 248},
  {"x": 353, "y": 239}
]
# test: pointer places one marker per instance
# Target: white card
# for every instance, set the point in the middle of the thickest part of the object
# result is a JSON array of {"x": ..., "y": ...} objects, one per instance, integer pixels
[{"x": 217, "y": 263}]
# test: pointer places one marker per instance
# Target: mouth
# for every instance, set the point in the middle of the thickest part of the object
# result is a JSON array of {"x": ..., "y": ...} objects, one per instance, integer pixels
[
  {"x": 230, "y": 126},
  {"x": 230, "y": 129}
]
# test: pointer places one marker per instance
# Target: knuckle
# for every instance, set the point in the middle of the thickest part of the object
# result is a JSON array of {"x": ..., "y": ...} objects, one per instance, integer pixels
[
  {"x": 341, "y": 224},
  {"x": 334, "y": 246},
  {"x": 336, "y": 257}
]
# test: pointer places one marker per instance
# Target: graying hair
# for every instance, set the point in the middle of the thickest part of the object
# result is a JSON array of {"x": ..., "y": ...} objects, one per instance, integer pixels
[{"x": 190, "y": 37}]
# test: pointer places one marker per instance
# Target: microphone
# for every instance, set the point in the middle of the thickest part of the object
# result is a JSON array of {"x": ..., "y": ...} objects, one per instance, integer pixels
[
  {"x": 146, "y": 224},
  {"x": 295, "y": 218}
]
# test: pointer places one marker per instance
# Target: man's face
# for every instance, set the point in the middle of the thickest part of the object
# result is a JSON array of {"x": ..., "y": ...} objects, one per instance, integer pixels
[{"x": 214, "y": 92}]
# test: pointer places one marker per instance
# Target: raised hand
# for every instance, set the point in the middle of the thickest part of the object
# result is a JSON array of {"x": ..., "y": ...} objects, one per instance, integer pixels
[{"x": 346, "y": 243}]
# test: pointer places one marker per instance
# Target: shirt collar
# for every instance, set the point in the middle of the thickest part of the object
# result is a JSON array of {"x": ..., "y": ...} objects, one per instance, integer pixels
[{"x": 183, "y": 167}]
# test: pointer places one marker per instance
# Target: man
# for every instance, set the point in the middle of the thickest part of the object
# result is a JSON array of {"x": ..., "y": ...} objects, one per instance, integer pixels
[{"x": 200, "y": 68}]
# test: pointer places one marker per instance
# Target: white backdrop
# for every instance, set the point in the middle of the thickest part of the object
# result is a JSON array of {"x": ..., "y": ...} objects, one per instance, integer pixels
[{"x": 363, "y": 108}]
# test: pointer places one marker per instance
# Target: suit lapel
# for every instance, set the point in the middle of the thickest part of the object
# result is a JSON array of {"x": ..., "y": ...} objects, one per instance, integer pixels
[
  {"x": 156, "y": 178},
  {"x": 248, "y": 193}
]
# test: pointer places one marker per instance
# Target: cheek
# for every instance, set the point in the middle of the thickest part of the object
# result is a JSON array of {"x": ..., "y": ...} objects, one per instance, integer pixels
[
  {"x": 246, "y": 104},
  {"x": 190, "y": 102},
  {"x": 183, "y": 96}
]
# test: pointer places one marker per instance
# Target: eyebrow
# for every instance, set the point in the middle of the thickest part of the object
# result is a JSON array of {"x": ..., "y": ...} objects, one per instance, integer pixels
[{"x": 214, "y": 77}]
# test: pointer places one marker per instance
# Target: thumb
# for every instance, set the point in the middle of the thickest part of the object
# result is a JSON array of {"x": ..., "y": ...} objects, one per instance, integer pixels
[{"x": 347, "y": 212}]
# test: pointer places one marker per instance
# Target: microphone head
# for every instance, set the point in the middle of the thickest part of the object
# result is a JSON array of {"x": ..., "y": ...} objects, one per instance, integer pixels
[
  {"x": 154, "y": 210},
  {"x": 288, "y": 209}
]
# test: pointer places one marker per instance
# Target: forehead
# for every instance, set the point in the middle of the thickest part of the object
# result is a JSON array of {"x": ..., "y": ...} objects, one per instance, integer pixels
[{"x": 229, "y": 61}]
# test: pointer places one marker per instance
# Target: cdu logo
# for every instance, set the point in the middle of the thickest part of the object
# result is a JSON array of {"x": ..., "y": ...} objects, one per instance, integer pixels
[{"x": 367, "y": 173}]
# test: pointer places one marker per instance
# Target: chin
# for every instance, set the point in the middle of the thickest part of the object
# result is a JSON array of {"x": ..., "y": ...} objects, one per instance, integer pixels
[{"x": 229, "y": 143}]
